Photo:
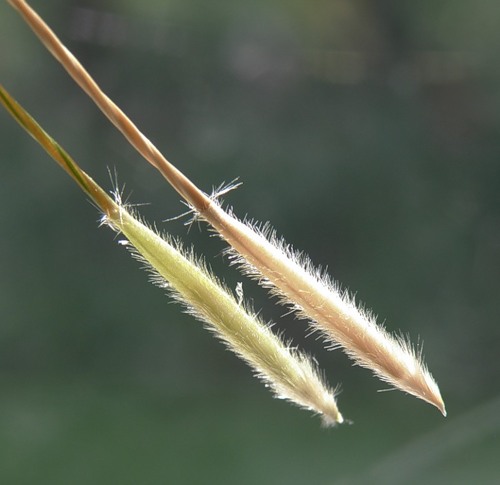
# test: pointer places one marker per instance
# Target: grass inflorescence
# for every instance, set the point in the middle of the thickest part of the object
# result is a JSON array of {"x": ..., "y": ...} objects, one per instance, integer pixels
[
  {"x": 314, "y": 296},
  {"x": 289, "y": 373}
]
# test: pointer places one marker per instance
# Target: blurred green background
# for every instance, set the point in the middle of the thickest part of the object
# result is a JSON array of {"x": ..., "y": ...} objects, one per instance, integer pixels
[{"x": 365, "y": 131}]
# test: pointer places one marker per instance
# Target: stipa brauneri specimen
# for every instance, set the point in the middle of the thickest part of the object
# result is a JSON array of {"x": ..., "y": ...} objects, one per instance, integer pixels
[
  {"x": 314, "y": 296},
  {"x": 289, "y": 373}
]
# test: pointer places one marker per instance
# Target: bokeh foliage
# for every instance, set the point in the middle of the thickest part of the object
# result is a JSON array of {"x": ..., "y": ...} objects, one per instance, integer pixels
[{"x": 366, "y": 132}]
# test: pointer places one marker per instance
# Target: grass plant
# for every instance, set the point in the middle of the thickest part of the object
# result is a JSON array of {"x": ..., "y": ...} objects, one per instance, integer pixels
[{"x": 313, "y": 295}]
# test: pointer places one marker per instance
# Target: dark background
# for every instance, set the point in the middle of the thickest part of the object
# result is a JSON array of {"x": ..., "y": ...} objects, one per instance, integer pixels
[{"x": 365, "y": 131}]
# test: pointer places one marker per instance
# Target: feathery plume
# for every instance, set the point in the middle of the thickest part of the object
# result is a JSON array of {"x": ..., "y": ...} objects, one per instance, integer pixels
[
  {"x": 272, "y": 262},
  {"x": 289, "y": 373}
]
